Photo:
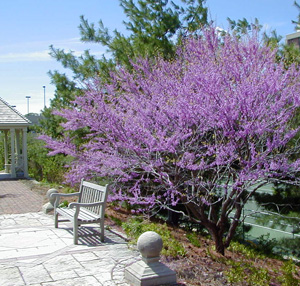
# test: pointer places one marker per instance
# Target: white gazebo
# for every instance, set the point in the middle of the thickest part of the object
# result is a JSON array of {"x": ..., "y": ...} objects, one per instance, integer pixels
[{"x": 14, "y": 127}]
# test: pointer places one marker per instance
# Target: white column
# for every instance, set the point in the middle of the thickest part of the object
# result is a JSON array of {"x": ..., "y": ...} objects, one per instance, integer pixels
[
  {"x": 25, "y": 159},
  {"x": 6, "y": 152},
  {"x": 18, "y": 150},
  {"x": 13, "y": 160}
]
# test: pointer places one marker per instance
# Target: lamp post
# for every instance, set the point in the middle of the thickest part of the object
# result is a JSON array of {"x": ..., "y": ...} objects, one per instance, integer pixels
[
  {"x": 28, "y": 103},
  {"x": 44, "y": 87}
]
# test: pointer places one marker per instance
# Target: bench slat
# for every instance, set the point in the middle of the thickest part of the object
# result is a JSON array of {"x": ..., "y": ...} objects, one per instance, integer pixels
[{"x": 83, "y": 215}]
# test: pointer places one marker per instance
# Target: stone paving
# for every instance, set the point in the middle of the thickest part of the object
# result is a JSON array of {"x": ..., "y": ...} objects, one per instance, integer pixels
[
  {"x": 33, "y": 252},
  {"x": 17, "y": 198}
]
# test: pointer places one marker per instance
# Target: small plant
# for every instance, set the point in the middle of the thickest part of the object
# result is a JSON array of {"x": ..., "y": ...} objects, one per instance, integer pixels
[
  {"x": 259, "y": 277},
  {"x": 193, "y": 238},
  {"x": 137, "y": 226},
  {"x": 246, "y": 272},
  {"x": 287, "y": 278},
  {"x": 64, "y": 204},
  {"x": 248, "y": 251},
  {"x": 236, "y": 274}
]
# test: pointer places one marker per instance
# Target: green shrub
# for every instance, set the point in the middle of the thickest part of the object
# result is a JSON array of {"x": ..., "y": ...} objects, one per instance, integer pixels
[
  {"x": 43, "y": 167},
  {"x": 258, "y": 277},
  {"x": 246, "y": 272},
  {"x": 249, "y": 251},
  {"x": 193, "y": 238},
  {"x": 287, "y": 278},
  {"x": 137, "y": 226}
]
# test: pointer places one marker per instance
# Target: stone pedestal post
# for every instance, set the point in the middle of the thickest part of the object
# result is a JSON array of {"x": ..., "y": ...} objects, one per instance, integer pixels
[
  {"x": 149, "y": 271},
  {"x": 48, "y": 207}
]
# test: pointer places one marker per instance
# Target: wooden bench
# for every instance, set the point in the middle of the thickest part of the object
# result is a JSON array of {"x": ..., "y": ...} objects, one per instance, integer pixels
[{"x": 89, "y": 208}]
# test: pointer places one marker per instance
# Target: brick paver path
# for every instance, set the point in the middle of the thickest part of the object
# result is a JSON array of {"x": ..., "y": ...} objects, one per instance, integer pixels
[{"x": 17, "y": 198}]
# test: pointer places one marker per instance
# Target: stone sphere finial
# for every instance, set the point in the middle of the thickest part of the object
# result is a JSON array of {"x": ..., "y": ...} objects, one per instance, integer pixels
[
  {"x": 49, "y": 192},
  {"x": 150, "y": 244},
  {"x": 149, "y": 270}
]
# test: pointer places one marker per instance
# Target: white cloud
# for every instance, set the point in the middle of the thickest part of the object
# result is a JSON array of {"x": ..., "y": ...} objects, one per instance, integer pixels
[
  {"x": 38, "y": 56},
  {"x": 39, "y": 50},
  {"x": 25, "y": 57}
]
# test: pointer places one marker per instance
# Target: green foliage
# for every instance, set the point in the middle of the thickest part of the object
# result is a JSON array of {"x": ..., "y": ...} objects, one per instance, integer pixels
[
  {"x": 152, "y": 24},
  {"x": 137, "y": 226},
  {"x": 64, "y": 204},
  {"x": 242, "y": 26},
  {"x": 247, "y": 273},
  {"x": 290, "y": 55},
  {"x": 193, "y": 238},
  {"x": 249, "y": 251},
  {"x": 41, "y": 166},
  {"x": 288, "y": 270}
]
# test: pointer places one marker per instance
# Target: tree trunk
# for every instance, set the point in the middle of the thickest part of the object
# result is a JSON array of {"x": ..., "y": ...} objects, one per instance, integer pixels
[
  {"x": 234, "y": 224},
  {"x": 214, "y": 230},
  {"x": 217, "y": 236},
  {"x": 219, "y": 244}
]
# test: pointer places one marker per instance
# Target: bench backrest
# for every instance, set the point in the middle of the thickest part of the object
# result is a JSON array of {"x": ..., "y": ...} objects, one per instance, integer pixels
[{"x": 92, "y": 193}]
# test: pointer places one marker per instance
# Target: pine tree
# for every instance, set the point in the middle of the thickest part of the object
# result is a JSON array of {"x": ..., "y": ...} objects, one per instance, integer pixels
[{"x": 155, "y": 27}]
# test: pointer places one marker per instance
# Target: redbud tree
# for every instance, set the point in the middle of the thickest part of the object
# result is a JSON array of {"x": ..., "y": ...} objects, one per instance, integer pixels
[{"x": 203, "y": 131}]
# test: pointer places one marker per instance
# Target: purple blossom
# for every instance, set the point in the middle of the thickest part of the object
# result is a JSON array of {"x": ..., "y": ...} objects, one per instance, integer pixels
[{"x": 177, "y": 131}]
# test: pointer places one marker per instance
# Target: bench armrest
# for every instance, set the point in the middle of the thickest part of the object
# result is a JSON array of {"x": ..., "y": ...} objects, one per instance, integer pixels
[
  {"x": 64, "y": 195},
  {"x": 78, "y": 205},
  {"x": 58, "y": 196}
]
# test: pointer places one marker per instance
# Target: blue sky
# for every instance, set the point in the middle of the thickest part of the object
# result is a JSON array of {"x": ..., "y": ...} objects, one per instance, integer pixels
[{"x": 29, "y": 27}]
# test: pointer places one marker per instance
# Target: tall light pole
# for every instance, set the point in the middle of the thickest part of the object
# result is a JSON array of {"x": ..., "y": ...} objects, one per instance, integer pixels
[
  {"x": 44, "y": 87},
  {"x": 28, "y": 103}
]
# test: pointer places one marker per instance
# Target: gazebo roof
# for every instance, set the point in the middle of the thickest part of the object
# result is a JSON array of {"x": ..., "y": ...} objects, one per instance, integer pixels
[{"x": 10, "y": 117}]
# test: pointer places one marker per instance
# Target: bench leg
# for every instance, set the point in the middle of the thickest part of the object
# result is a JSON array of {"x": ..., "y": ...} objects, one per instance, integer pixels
[
  {"x": 75, "y": 232},
  {"x": 102, "y": 231},
  {"x": 56, "y": 220}
]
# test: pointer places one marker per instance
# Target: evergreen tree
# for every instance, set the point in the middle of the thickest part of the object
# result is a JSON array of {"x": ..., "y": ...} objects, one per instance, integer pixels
[{"x": 155, "y": 27}]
